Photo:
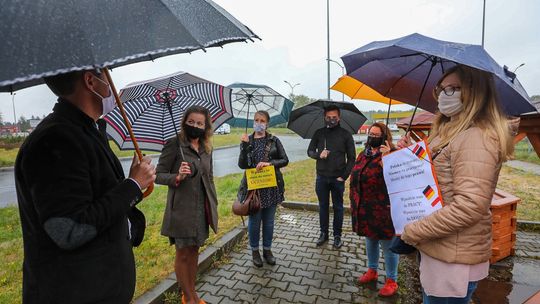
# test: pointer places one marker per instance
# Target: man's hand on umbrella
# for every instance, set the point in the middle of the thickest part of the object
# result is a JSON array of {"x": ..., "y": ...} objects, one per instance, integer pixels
[
  {"x": 324, "y": 154},
  {"x": 244, "y": 138},
  {"x": 143, "y": 172},
  {"x": 183, "y": 172},
  {"x": 261, "y": 165}
]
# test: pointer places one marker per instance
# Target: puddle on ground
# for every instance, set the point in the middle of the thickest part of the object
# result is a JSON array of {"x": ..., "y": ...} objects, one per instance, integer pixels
[{"x": 512, "y": 280}]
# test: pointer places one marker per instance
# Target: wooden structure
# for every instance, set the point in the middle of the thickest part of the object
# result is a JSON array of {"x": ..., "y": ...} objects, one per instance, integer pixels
[
  {"x": 503, "y": 210},
  {"x": 503, "y": 204}
]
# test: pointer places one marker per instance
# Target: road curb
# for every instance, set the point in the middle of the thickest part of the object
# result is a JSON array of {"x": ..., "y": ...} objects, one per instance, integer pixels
[
  {"x": 521, "y": 224},
  {"x": 206, "y": 259}
]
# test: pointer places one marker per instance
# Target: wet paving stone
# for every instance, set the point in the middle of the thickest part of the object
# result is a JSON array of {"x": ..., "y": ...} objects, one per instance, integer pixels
[{"x": 306, "y": 273}]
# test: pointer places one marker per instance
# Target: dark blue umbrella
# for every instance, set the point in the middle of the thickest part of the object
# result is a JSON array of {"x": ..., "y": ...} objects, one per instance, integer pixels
[{"x": 408, "y": 68}]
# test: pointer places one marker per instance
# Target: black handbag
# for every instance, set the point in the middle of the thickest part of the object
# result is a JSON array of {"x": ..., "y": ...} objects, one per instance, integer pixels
[{"x": 398, "y": 246}]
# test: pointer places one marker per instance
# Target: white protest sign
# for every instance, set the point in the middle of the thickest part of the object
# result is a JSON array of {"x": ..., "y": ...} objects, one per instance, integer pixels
[{"x": 412, "y": 187}]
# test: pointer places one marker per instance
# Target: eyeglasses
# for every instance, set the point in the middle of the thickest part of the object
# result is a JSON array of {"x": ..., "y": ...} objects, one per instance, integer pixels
[{"x": 448, "y": 90}]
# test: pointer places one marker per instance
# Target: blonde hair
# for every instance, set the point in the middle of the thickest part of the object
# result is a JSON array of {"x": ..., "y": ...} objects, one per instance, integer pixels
[
  {"x": 480, "y": 109},
  {"x": 206, "y": 140}
]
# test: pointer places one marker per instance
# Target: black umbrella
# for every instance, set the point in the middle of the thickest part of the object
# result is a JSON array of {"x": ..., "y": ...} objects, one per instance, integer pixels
[
  {"x": 52, "y": 37},
  {"x": 306, "y": 120}
]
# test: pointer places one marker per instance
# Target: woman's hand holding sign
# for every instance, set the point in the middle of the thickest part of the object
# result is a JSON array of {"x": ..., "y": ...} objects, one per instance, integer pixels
[{"x": 262, "y": 164}]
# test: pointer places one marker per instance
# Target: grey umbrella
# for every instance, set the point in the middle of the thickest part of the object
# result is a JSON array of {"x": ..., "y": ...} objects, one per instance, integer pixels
[{"x": 50, "y": 37}]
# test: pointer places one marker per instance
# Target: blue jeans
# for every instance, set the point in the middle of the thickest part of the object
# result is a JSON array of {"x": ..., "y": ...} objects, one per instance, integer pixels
[
  {"x": 391, "y": 259},
  {"x": 449, "y": 300},
  {"x": 266, "y": 216},
  {"x": 323, "y": 187}
]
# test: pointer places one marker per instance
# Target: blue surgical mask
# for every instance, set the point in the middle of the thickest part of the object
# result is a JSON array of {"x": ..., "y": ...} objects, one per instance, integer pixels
[{"x": 259, "y": 127}]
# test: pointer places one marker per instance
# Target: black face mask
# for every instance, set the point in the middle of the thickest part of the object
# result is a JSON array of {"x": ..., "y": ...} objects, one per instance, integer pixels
[
  {"x": 331, "y": 123},
  {"x": 374, "y": 142},
  {"x": 193, "y": 132}
]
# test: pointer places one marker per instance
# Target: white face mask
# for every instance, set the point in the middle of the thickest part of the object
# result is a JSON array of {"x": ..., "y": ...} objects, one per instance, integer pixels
[
  {"x": 108, "y": 102},
  {"x": 450, "y": 105},
  {"x": 259, "y": 127}
]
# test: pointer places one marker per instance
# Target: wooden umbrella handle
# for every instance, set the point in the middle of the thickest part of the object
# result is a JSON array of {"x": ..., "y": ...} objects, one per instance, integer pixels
[{"x": 128, "y": 125}]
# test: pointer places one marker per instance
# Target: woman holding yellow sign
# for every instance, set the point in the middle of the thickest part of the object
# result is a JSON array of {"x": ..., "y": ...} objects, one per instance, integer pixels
[{"x": 258, "y": 150}]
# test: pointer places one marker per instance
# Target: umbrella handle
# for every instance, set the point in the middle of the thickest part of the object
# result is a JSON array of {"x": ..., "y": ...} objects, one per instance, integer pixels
[{"x": 128, "y": 125}]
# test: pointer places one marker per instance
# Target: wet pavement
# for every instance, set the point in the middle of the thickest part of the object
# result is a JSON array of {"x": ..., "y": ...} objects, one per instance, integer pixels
[{"x": 307, "y": 274}]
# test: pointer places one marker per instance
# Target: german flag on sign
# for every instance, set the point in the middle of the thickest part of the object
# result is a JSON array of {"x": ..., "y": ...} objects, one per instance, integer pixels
[
  {"x": 428, "y": 192},
  {"x": 420, "y": 152}
]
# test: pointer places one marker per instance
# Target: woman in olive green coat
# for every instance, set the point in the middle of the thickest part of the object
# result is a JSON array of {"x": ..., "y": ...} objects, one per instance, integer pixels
[{"x": 191, "y": 199}]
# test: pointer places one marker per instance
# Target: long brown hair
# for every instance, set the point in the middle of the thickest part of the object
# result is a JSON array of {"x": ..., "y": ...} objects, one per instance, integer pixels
[
  {"x": 386, "y": 132},
  {"x": 480, "y": 109},
  {"x": 208, "y": 131}
]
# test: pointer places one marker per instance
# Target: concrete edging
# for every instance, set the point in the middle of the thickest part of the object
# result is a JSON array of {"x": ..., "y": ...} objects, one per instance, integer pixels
[
  {"x": 206, "y": 259},
  {"x": 521, "y": 224}
]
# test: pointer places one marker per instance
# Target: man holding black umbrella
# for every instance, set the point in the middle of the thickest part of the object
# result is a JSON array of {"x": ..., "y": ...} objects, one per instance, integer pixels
[
  {"x": 333, "y": 148},
  {"x": 74, "y": 201}
]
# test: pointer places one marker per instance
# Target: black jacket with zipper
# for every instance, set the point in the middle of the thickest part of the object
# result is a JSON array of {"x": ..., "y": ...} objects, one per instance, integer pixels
[{"x": 342, "y": 154}]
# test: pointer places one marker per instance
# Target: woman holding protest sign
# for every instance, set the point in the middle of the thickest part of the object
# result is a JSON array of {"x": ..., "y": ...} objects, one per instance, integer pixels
[
  {"x": 370, "y": 207},
  {"x": 469, "y": 140},
  {"x": 259, "y": 150}
]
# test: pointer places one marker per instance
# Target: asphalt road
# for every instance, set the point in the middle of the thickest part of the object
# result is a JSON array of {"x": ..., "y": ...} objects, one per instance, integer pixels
[{"x": 225, "y": 162}]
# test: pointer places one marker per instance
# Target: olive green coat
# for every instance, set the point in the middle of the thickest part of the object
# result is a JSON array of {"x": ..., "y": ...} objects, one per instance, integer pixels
[{"x": 181, "y": 211}]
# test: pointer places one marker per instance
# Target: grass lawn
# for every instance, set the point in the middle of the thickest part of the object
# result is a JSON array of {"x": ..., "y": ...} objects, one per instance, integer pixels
[
  {"x": 525, "y": 152},
  {"x": 154, "y": 257}
]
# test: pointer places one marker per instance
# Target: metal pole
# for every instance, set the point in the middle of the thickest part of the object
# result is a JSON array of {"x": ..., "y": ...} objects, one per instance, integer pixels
[
  {"x": 483, "y": 22},
  {"x": 328, "y": 46},
  {"x": 291, "y": 86},
  {"x": 342, "y": 73},
  {"x": 14, "y": 115}
]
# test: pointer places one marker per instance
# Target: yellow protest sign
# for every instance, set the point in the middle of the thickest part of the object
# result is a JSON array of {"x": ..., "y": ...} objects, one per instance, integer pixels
[{"x": 265, "y": 178}]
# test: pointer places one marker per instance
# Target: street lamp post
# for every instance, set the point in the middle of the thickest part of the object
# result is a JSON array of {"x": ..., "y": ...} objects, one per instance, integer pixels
[
  {"x": 342, "y": 73},
  {"x": 14, "y": 115},
  {"x": 518, "y": 67},
  {"x": 292, "y": 86},
  {"x": 483, "y": 22},
  {"x": 328, "y": 46}
]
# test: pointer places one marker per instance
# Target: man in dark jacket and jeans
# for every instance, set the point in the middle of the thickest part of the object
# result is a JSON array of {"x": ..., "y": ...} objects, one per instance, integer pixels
[
  {"x": 333, "y": 148},
  {"x": 74, "y": 201}
]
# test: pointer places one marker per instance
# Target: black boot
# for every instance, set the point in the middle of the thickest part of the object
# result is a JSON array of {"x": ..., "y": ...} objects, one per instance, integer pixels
[
  {"x": 257, "y": 261},
  {"x": 337, "y": 242},
  {"x": 323, "y": 238},
  {"x": 269, "y": 257}
]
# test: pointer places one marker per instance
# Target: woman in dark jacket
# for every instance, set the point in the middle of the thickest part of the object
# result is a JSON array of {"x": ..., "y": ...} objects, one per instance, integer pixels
[
  {"x": 191, "y": 200},
  {"x": 252, "y": 155},
  {"x": 370, "y": 207}
]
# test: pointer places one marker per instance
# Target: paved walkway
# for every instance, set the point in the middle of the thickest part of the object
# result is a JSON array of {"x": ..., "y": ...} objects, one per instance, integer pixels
[
  {"x": 525, "y": 166},
  {"x": 307, "y": 274}
]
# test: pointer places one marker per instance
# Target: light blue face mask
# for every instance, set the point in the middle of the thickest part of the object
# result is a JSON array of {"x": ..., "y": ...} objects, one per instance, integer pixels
[{"x": 259, "y": 127}]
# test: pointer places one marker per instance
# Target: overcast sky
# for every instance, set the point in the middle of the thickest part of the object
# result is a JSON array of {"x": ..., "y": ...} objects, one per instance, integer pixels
[{"x": 293, "y": 45}]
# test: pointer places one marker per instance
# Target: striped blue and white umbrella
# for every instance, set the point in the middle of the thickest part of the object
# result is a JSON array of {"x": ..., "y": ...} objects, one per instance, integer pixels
[
  {"x": 250, "y": 98},
  {"x": 146, "y": 108}
]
